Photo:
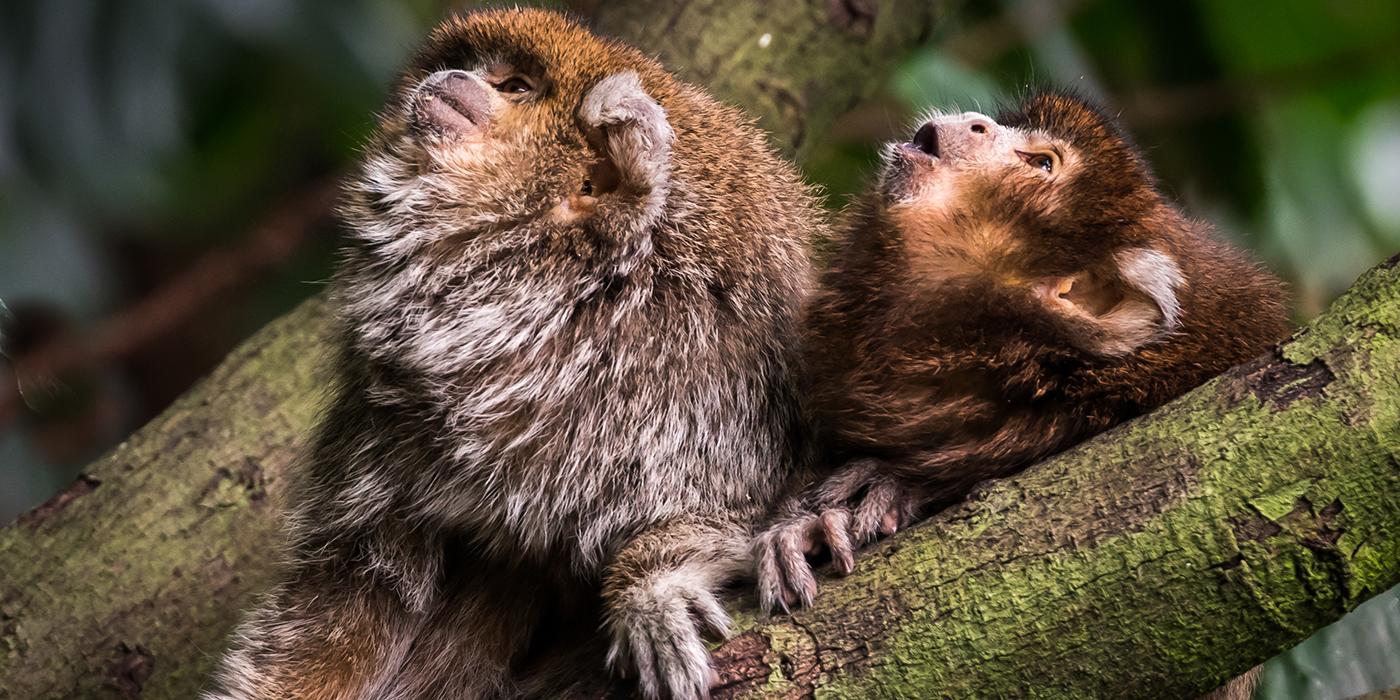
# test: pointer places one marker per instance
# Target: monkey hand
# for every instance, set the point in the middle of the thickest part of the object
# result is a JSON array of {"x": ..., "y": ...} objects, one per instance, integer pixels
[
  {"x": 853, "y": 506},
  {"x": 656, "y": 629}
]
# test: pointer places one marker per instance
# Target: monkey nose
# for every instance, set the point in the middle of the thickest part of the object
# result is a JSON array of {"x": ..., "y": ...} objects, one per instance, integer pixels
[
  {"x": 450, "y": 103},
  {"x": 926, "y": 139}
]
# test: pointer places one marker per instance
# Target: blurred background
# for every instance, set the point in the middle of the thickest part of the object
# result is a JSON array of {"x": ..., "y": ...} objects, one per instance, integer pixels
[{"x": 167, "y": 169}]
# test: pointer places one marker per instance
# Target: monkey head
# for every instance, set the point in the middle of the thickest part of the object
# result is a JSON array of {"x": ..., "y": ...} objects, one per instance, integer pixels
[
  {"x": 508, "y": 118},
  {"x": 1044, "y": 220},
  {"x": 516, "y": 142}
]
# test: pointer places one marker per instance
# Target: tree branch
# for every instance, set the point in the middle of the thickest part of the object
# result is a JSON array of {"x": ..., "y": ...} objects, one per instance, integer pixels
[
  {"x": 1157, "y": 560},
  {"x": 129, "y": 581},
  {"x": 796, "y": 66}
]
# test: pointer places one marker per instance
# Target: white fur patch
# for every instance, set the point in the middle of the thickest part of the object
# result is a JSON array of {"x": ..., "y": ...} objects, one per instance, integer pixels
[
  {"x": 1137, "y": 321},
  {"x": 1157, "y": 275}
]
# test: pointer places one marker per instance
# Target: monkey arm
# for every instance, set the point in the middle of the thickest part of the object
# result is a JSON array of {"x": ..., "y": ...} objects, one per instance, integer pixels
[{"x": 656, "y": 589}]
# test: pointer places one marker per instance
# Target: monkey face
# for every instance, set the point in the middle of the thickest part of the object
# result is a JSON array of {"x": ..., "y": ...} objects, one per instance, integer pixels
[
  {"x": 950, "y": 154},
  {"x": 1054, "y": 163},
  {"x": 509, "y": 118},
  {"x": 1045, "y": 216}
]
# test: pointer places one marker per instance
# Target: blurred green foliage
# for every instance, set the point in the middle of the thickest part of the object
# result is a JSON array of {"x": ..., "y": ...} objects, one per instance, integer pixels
[{"x": 136, "y": 135}]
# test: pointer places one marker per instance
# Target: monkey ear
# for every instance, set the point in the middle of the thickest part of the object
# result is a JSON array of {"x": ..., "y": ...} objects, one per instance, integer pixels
[
  {"x": 631, "y": 131},
  {"x": 1118, "y": 312},
  {"x": 1158, "y": 277}
]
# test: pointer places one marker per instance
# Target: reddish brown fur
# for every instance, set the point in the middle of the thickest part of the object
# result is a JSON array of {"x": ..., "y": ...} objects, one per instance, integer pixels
[
  {"x": 900, "y": 365},
  {"x": 932, "y": 367}
]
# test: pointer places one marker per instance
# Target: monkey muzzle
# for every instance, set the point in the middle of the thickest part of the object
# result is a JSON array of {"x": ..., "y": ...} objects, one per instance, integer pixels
[
  {"x": 450, "y": 103},
  {"x": 953, "y": 137},
  {"x": 946, "y": 140}
]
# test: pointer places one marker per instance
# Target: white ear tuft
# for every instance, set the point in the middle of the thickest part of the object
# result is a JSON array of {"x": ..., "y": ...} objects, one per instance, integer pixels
[
  {"x": 1116, "y": 318},
  {"x": 1157, "y": 276},
  {"x": 618, "y": 98}
]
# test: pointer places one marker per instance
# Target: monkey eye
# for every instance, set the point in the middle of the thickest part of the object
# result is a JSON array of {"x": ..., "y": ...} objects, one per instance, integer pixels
[
  {"x": 514, "y": 86},
  {"x": 1042, "y": 161}
]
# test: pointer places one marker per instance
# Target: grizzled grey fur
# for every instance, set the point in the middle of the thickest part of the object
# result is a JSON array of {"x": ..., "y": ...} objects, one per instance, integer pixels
[{"x": 565, "y": 382}]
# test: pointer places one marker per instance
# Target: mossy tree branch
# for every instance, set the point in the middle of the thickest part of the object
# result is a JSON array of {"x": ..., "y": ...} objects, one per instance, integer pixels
[
  {"x": 1157, "y": 560},
  {"x": 128, "y": 582}
]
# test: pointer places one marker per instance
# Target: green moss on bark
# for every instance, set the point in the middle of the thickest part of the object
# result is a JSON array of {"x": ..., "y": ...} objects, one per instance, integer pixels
[
  {"x": 1157, "y": 560},
  {"x": 132, "y": 582}
]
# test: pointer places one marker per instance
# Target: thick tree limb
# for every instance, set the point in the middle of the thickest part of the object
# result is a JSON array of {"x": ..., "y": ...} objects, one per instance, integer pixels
[
  {"x": 1156, "y": 560},
  {"x": 128, "y": 582}
]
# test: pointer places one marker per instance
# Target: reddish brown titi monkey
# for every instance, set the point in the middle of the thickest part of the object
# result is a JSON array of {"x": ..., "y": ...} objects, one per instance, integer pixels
[
  {"x": 1008, "y": 288},
  {"x": 565, "y": 388}
]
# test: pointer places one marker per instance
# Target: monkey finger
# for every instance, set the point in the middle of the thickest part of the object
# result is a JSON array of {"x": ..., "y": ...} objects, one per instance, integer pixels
[
  {"x": 615, "y": 658},
  {"x": 692, "y": 672},
  {"x": 836, "y": 526},
  {"x": 809, "y": 530},
  {"x": 683, "y": 661},
  {"x": 790, "y": 599},
  {"x": 792, "y": 561},
  {"x": 644, "y": 656},
  {"x": 889, "y": 522},
  {"x": 771, "y": 593},
  {"x": 893, "y": 519},
  {"x": 711, "y": 613},
  {"x": 870, "y": 517},
  {"x": 847, "y": 481},
  {"x": 904, "y": 510}
]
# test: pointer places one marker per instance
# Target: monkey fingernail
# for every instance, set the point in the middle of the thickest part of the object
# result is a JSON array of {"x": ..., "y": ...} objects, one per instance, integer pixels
[
  {"x": 845, "y": 562},
  {"x": 788, "y": 599}
]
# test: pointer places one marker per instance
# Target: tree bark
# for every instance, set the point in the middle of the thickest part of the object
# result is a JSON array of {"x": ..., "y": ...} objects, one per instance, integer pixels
[
  {"x": 1156, "y": 560},
  {"x": 128, "y": 582}
]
